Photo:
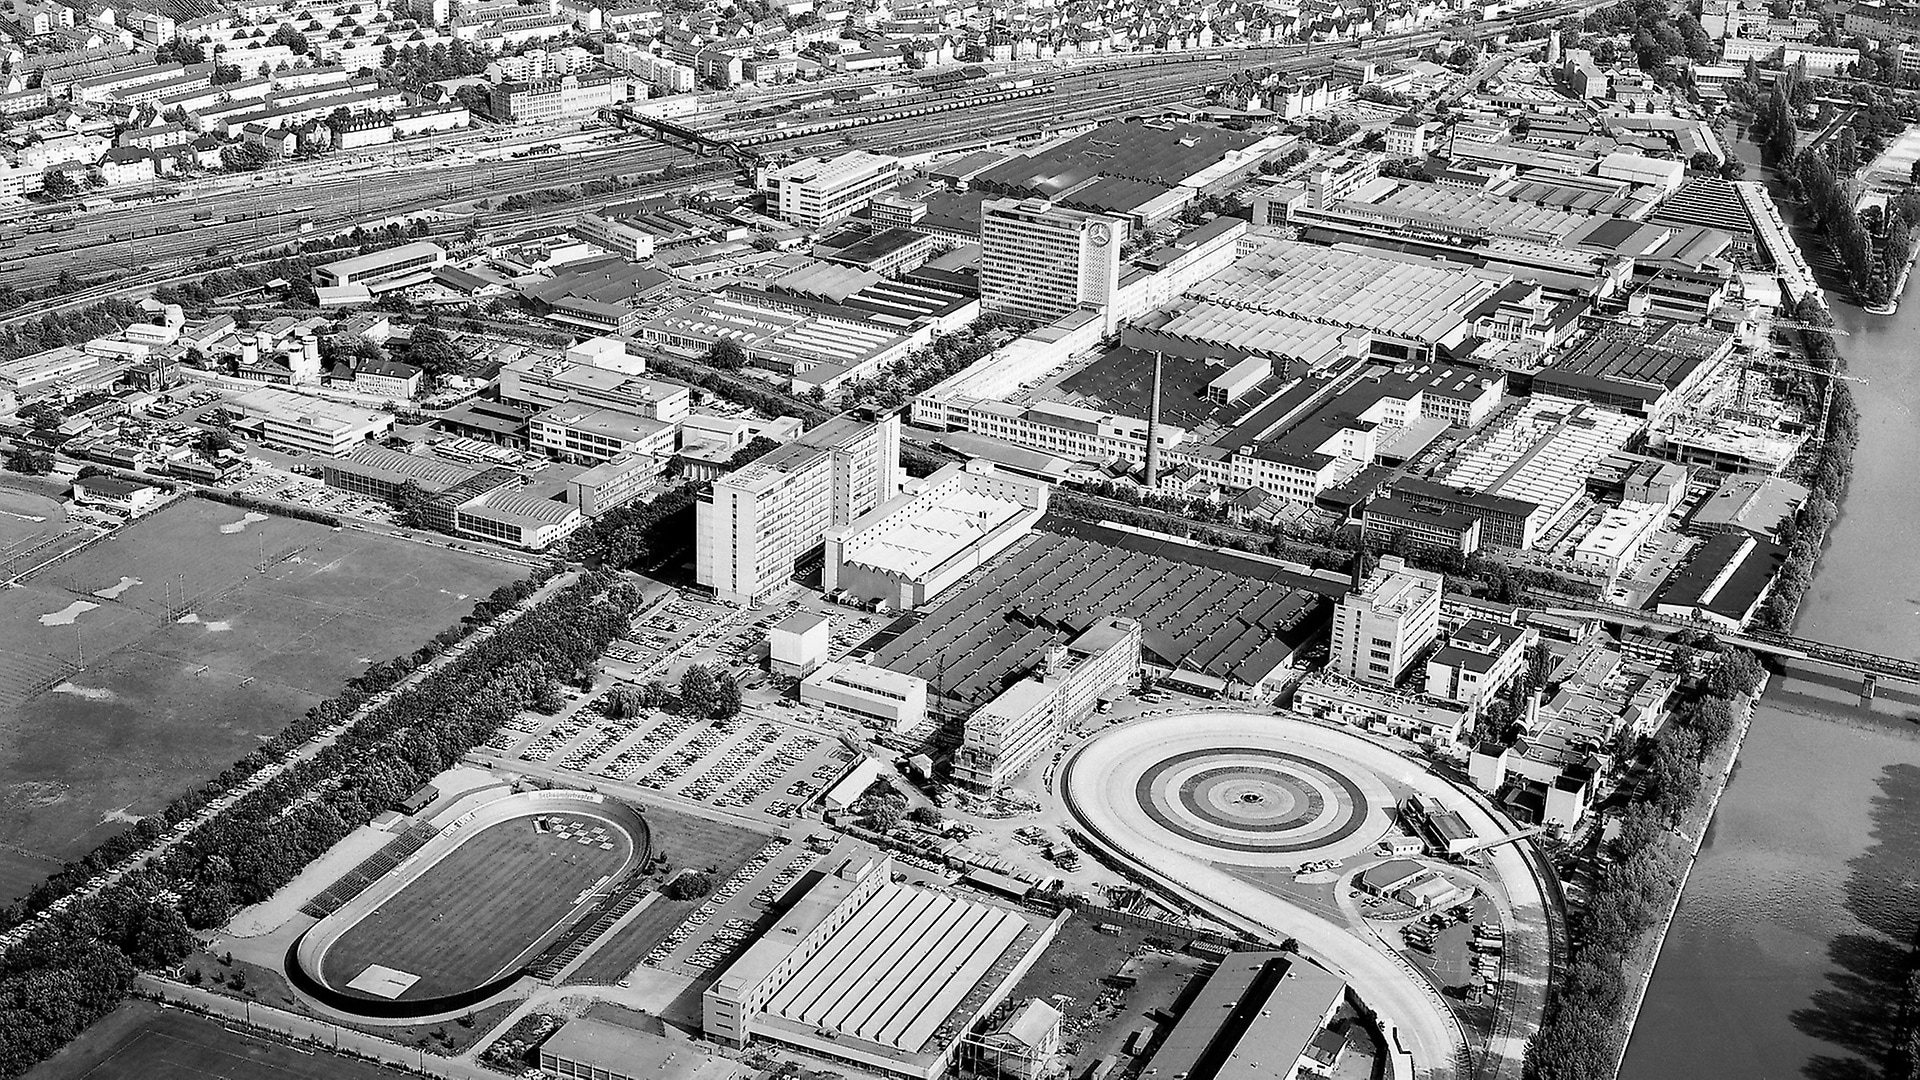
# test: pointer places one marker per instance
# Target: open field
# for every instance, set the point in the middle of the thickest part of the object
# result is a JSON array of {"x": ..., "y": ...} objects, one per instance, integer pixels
[
  {"x": 153, "y": 659},
  {"x": 473, "y": 913},
  {"x": 142, "y": 1041}
]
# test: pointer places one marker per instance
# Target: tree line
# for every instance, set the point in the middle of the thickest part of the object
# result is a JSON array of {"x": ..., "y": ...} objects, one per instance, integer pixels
[
  {"x": 1805, "y": 533},
  {"x": 1634, "y": 888},
  {"x": 73, "y": 968}
]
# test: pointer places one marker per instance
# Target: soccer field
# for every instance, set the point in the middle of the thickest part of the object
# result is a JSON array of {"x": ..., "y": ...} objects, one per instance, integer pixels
[
  {"x": 141, "y": 1041},
  {"x": 139, "y": 667},
  {"x": 477, "y": 912}
]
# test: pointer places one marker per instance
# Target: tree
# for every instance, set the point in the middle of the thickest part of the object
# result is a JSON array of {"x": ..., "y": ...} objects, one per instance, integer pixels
[
  {"x": 727, "y": 355},
  {"x": 30, "y": 460},
  {"x": 59, "y": 185},
  {"x": 433, "y": 352},
  {"x": 697, "y": 691},
  {"x": 212, "y": 441},
  {"x": 1737, "y": 673},
  {"x": 181, "y": 51},
  {"x": 414, "y": 507},
  {"x": 884, "y": 815},
  {"x": 688, "y": 885},
  {"x": 293, "y": 39},
  {"x": 726, "y": 697},
  {"x": 925, "y": 815}
]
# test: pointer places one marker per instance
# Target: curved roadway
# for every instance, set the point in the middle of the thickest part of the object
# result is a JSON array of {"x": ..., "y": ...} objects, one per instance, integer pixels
[{"x": 1426, "y": 1028}]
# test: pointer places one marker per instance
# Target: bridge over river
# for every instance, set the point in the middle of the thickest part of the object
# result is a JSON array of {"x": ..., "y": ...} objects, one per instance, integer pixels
[{"x": 1871, "y": 667}]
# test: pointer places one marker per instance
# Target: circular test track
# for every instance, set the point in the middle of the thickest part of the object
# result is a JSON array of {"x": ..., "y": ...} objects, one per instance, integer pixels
[
  {"x": 1186, "y": 800},
  {"x": 306, "y": 957}
]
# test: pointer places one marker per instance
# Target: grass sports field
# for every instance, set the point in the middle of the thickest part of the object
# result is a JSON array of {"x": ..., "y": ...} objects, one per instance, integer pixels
[
  {"x": 477, "y": 911},
  {"x": 192, "y": 654},
  {"x": 142, "y": 1041}
]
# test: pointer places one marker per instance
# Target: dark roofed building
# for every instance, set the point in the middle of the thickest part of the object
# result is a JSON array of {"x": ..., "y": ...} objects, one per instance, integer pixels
[
  {"x": 1240, "y": 632},
  {"x": 1257, "y": 1017},
  {"x": 1724, "y": 582},
  {"x": 1637, "y": 370}
]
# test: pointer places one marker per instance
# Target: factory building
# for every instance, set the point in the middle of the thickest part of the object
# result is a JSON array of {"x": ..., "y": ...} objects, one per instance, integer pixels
[
  {"x": 887, "y": 977},
  {"x": 1260, "y": 1014},
  {"x": 909, "y": 549}
]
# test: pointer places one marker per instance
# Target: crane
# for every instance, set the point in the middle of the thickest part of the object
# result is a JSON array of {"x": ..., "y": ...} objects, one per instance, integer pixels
[{"x": 1826, "y": 388}]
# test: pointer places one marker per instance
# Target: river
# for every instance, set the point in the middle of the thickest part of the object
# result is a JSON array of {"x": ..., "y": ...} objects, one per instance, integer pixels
[{"x": 1787, "y": 951}]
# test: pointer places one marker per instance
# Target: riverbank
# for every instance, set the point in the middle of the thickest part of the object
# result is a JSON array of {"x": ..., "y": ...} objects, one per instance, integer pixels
[
  {"x": 1890, "y": 171},
  {"x": 1641, "y": 967},
  {"x": 1797, "y": 907}
]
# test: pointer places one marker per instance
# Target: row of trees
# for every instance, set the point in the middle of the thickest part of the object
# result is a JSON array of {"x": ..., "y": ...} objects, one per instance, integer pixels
[
  {"x": 634, "y": 537},
  {"x": 1805, "y": 533},
  {"x": 1586, "y": 1011},
  {"x": 57, "y": 328},
  {"x": 743, "y": 392},
  {"x": 71, "y": 969}
]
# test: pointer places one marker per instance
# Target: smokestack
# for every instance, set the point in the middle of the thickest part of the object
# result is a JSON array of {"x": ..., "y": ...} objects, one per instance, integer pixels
[{"x": 1153, "y": 427}]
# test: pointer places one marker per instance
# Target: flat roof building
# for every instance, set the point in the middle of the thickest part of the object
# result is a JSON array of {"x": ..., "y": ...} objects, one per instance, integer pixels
[
  {"x": 867, "y": 695},
  {"x": 1255, "y": 1019},
  {"x": 755, "y": 524},
  {"x": 290, "y": 421},
  {"x": 1385, "y": 622},
  {"x": 383, "y": 271},
  {"x": 815, "y": 192},
  {"x": 909, "y": 549}
]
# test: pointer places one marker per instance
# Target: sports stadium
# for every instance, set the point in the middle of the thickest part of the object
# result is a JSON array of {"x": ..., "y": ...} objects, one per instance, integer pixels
[{"x": 464, "y": 916}]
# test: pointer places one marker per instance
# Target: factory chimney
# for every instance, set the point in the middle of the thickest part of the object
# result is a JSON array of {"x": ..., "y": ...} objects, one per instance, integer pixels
[{"x": 1153, "y": 426}]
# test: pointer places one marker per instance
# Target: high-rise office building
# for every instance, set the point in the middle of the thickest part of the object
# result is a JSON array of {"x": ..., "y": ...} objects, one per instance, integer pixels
[
  {"x": 1039, "y": 261},
  {"x": 758, "y": 521},
  {"x": 1381, "y": 626}
]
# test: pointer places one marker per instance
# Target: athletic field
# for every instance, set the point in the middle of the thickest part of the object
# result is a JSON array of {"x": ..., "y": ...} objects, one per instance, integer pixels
[
  {"x": 478, "y": 912},
  {"x": 141, "y": 1041},
  {"x": 148, "y": 662}
]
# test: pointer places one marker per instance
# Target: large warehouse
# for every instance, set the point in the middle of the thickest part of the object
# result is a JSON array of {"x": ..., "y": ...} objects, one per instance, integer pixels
[
  {"x": 910, "y": 548},
  {"x": 1208, "y": 629},
  {"x": 881, "y": 975}
]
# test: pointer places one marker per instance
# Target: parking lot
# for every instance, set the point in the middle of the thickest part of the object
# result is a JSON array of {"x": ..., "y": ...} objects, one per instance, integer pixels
[
  {"x": 266, "y": 482},
  {"x": 719, "y": 929},
  {"x": 747, "y": 763}
]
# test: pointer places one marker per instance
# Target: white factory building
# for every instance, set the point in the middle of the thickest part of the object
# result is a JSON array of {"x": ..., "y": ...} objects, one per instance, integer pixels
[{"x": 910, "y": 548}]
